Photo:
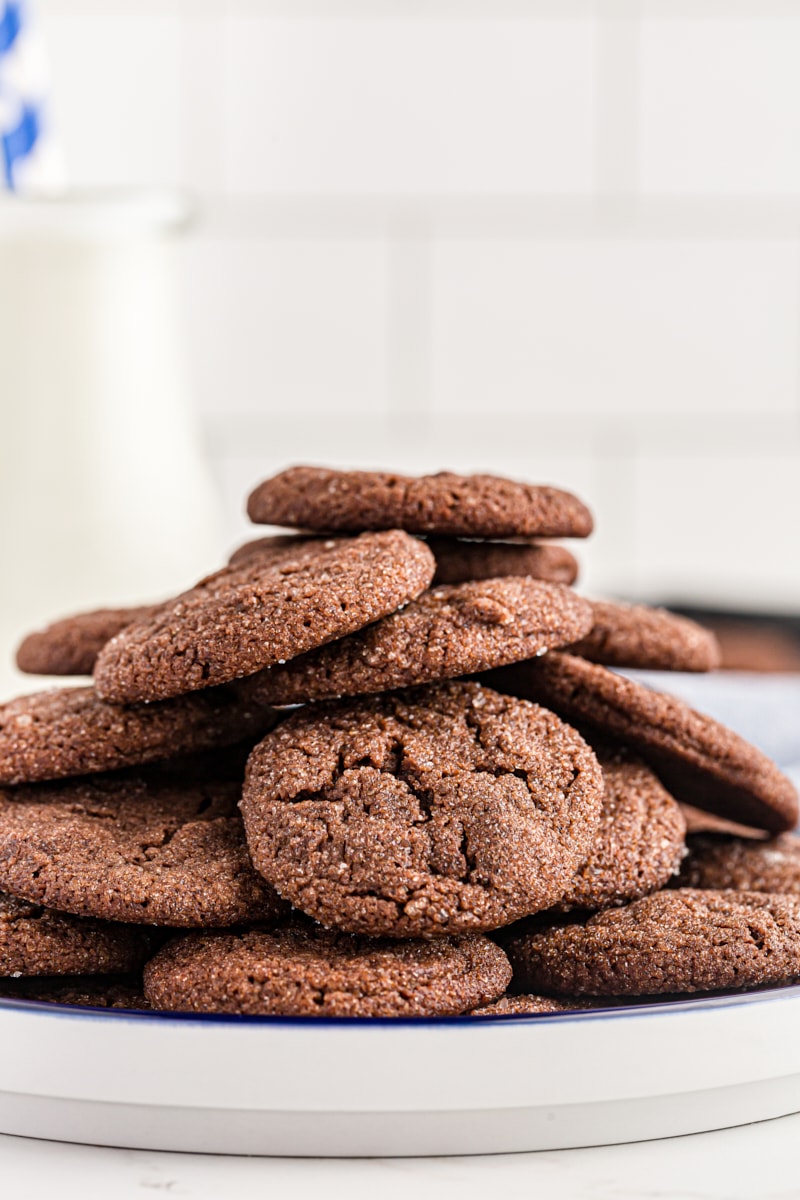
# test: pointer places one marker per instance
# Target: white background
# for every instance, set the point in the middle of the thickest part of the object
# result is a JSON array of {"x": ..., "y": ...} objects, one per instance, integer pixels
[{"x": 554, "y": 238}]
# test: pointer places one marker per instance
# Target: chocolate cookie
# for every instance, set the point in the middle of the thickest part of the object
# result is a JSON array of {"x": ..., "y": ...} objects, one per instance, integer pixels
[
  {"x": 130, "y": 849},
  {"x": 306, "y": 971},
  {"x": 632, "y": 635},
  {"x": 698, "y": 760},
  {"x": 526, "y": 1006},
  {"x": 70, "y": 731},
  {"x": 698, "y": 821},
  {"x": 261, "y": 613},
  {"x": 460, "y": 561},
  {"x": 34, "y": 941},
  {"x": 83, "y": 991},
  {"x": 640, "y": 842},
  {"x": 71, "y": 645},
  {"x": 456, "y": 505},
  {"x": 674, "y": 941},
  {"x": 276, "y": 546},
  {"x": 742, "y": 865},
  {"x": 449, "y": 631},
  {"x": 438, "y": 811}
]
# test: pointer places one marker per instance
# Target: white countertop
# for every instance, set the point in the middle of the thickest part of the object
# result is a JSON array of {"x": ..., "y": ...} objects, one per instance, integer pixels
[{"x": 754, "y": 1162}]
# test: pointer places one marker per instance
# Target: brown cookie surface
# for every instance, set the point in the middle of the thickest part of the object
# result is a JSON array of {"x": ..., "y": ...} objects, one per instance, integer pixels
[
  {"x": 261, "y": 613},
  {"x": 460, "y": 561},
  {"x": 698, "y": 821},
  {"x": 525, "y": 1006},
  {"x": 132, "y": 849},
  {"x": 442, "y": 810},
  {"x": 685, "y": 940},
  {"x": 70, "y": 646},
  {"x": 275, "y": 547},
  {"x": 34, "y": 941},
  {"x": 639, "y": 844},
  {"x": 83, "y": 991},
  {"x": 70, "y": 731},
  {"x": 457, "y": 505},
  {"x": 449, "y": 631},
  {"x": 742, "y": 864},
  {"x": 306, "y": 971},
  {"x": 698, "y": 760},
  {"x": 633, "y": 635}
]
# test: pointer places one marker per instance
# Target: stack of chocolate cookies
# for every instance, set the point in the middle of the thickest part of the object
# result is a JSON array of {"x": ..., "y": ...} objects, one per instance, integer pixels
[{"x": 381, "y": 767}]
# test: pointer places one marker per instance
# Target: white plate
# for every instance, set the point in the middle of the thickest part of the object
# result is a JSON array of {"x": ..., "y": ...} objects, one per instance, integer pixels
[{"x": 341, "y": 1088}]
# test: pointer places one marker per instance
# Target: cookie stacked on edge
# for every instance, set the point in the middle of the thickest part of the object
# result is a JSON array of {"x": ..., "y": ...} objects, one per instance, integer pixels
[{"x": 468, "y": 812}]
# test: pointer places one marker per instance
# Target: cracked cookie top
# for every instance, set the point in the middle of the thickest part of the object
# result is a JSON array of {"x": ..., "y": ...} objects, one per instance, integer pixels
[
  {"x": 458, "y": 505},
  {"x": 306, "y": 971},
  {"x": 685, "y": 940},
  {"x": 264, "y": 611},
  {"x": 436, "y": 811},
  {"x": 131, "y": 849}
]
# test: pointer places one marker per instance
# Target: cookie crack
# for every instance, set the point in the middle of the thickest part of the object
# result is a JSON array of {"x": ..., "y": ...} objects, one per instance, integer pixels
[{"x": 147, "y": 849}]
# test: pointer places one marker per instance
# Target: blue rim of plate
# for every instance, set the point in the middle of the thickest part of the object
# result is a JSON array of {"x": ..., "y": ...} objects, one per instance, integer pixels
[{"x": 692, "y": 1003}]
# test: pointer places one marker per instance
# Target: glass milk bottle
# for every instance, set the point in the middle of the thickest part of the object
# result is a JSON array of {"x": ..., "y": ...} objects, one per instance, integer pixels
[{"x": 104, "y": 494}]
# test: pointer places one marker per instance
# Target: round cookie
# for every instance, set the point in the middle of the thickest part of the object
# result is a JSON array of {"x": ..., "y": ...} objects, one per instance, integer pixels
[
  {"x": 449, "y": 631},
  {"x": 699, "y": 761},
  {"x": 130, "y": 849},
  {"x": 675, "y": 941},
  {"x": 526, "y": 1006},
  {"x": 443, "y": 810},
  {"x": 70, "y": 646},
  {"x": 742, "y": 865},
  {"x": 456, "y": 505},
  {"x": 83, "y": 991},
  {"x": 70, "y": 731},
  {"x": 305, "y": 971},
  {"x": 34, "y": 941},
  {"x": 698, "y": 821},
  {"x": 640, "y": 842},
  {"x": 459, "y": 561},
  {"x": 276, "y": 546},
  {"x": 633, "y": 635},
  {"x": 261, "y": 613}
]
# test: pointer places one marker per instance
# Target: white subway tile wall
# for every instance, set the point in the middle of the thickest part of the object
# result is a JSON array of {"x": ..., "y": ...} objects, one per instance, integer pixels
[
  {"x": 554, "y": 239},
  {"x": 720, "y": 106},
  {"x": 403, "y": 106},
  {"x": 613, "y": 328},
  {"x": 116, "y": 80}
]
